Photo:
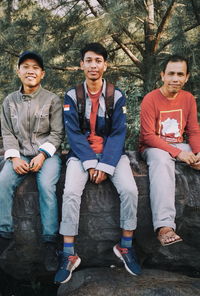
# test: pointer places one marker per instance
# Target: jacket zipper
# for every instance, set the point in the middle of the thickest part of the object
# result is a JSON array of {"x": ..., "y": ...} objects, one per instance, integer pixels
[{"x": 29, "y": 119}]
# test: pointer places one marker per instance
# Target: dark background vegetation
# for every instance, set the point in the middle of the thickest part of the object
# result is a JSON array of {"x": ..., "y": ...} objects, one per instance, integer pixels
[{"x": 138, "y": 34}]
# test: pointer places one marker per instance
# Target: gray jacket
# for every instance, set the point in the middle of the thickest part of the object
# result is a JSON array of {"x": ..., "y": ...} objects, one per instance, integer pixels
[{"x": 30, "y": 122}]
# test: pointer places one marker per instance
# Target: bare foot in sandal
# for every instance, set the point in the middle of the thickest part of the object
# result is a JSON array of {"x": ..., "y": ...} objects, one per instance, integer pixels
[{"x": 167, "y": 236}]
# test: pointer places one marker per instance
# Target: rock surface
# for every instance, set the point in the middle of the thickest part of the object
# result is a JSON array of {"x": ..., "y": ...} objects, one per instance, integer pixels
[
  {"x": 117, "y": 282},
  {"x": 99, "y": 226}
]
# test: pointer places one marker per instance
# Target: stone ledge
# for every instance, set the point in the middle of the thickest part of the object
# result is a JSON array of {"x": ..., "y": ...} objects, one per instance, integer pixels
[
  {"x": 116, "y": 281},
  {"x": 99, "y": 225}
]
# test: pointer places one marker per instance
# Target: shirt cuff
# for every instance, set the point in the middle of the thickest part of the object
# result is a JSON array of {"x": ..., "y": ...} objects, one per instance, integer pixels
[
  {"x": 90, "y": 164},
  {"x": 48, "y": 148},
  {"x": 109, "y": 169},
  {"x": 11, "y": 153}
]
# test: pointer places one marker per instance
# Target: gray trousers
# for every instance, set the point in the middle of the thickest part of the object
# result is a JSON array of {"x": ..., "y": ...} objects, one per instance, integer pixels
[
  {"x": 75, "y": 181},
  {"x": 162, "y": 185}
]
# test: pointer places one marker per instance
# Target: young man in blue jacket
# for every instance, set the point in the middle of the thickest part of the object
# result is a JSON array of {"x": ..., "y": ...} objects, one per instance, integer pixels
[{"x": 97, "y": 153}]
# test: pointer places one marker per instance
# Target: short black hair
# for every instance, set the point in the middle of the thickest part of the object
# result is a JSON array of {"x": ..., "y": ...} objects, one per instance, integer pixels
[
  {"x": 95, "y": 47},
  {"x": 175, "y": 58}
]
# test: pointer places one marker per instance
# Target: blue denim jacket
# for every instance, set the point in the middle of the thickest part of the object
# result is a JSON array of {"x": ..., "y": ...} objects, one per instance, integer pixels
[{"x": 113, "y": 143}]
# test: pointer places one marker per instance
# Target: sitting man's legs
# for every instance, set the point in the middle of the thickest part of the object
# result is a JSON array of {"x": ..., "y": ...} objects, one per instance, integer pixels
[
  {"x": 162, "y": 193},
  {"x": 9, "y": 181},
  {"x": 47, "y": 178},
  {"x": 126, "y": 187},
  {"x": 75, "y": 181}
]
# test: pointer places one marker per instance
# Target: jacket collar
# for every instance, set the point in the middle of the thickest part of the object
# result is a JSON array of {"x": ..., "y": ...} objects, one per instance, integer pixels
[
  {"x": 32, "y": 95},
  {"x": 103, "y": 88}
]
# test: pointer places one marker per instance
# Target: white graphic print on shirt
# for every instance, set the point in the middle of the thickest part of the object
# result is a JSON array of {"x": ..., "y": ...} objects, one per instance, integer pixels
[{"x": 170, "y": 125}]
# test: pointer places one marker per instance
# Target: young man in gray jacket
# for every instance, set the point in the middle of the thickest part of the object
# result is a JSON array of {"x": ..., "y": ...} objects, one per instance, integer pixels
[{"x": 32, "y": 131}]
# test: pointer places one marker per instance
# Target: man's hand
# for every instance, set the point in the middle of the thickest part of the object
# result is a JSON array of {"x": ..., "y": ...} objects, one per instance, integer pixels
[
  {"x": 20, "y": 166},
  {"x": 97, "y": 176},
  {"x": 198, "y": 157},
  {"x": 187, "y": 157},
  {"x": 37, "y": 162},
  {"x": 101, "y": 176},
  {"x": 196, "y": 165},
  {"x": 92, "y": 174}
]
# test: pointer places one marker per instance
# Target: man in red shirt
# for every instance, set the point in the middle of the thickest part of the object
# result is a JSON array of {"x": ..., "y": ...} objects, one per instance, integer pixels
[{"x": 166, "y": 114}]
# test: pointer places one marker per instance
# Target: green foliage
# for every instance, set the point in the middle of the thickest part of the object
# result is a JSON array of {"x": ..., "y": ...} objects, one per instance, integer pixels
[
  {"x": 134, "y": 97},
  {"x": 138, "y": 35}
]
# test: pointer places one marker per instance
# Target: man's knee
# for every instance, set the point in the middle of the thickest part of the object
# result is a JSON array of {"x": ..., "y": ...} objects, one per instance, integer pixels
[
  {"x": 71, "y": 192},
  {"x": 129, "y": 192},
  {"x": 158, "y": 157},
  {"x": 8, "y": 178},
  {"x": 46, "y": 186}
]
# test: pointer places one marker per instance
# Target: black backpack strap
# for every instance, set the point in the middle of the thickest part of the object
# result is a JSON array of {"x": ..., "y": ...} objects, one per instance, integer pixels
[
  {"x": 80, "y": 97},
  {"x": 109, "y": 102},
  {"x": 109, "y": 99}
]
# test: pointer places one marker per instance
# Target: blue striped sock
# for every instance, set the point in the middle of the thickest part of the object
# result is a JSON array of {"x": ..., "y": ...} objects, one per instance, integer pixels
[
  {"x": 68, "y": 248},
  {"x": 126, "y": 242}
]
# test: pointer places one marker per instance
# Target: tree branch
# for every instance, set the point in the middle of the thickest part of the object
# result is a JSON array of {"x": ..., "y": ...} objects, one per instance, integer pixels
[
  {"x": 136, "y": 44},
  {"x": 126, "y": 72},
  {"x": 101, "y": 3},
  {"x": 162, "y": 24},
  {"x": 175, "y": 37},
  {"x": 110, "y": 68},
  {"x": 91, "y": 8},
  {"x": 11, "y": 53},
  {"x": 133, "y": 58},
  {"x": 69, "y": 69},
  {"x": 119, "y": 47},
  {"x": 149, "y": 26}
]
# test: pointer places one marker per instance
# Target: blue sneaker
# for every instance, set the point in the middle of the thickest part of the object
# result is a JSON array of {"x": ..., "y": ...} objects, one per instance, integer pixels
[
  {"x": 128, "y": 256},
  {"x": 67, "y": 264}
]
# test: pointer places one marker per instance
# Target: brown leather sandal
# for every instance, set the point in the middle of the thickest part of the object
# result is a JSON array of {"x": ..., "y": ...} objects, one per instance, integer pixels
[{"x": 167, "y": 236}]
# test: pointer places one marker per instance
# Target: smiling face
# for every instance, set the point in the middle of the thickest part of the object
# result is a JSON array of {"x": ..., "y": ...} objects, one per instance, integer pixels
[
  {"x": 174, "y": 78},
  {"x": 30, "y": 74},
  {"x": 93, "y": 66}
]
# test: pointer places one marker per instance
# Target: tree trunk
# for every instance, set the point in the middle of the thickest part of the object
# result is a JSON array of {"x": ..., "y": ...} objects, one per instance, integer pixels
[{"x": 148, "y": 73}]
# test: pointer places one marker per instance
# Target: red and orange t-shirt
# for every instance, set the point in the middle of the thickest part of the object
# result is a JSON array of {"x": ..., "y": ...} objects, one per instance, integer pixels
[
  {"x": 96, "y": 142},
  {"x": 164, "y": 121}
]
